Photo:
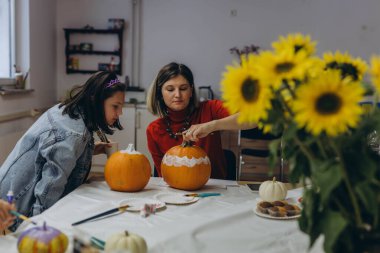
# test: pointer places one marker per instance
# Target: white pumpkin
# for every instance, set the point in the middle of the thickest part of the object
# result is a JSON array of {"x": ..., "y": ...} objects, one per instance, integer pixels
[
  {"x": 126, "y": 242},
  {"x": 272, "y": 190}
]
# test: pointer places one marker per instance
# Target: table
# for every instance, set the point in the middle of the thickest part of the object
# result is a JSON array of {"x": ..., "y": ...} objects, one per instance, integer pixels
[{"x": 223, "y": 223}]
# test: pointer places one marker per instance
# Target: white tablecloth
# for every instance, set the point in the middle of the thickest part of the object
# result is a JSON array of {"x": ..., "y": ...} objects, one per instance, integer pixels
[{"x": 223, "y": 223}]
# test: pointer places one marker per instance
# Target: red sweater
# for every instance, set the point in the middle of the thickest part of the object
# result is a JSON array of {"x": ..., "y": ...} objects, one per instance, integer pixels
[{"x": 159, "y": 140}]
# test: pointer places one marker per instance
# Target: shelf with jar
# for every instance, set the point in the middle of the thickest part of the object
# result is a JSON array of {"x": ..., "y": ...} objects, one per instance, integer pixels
[{"x": 73, "y": 52}]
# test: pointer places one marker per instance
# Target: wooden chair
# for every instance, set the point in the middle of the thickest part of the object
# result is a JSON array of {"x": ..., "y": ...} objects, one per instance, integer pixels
[{"x": 253, "y": 162}]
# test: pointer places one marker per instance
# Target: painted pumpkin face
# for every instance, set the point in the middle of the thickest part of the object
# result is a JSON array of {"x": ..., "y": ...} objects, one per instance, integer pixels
[{"x": 186, "y": 167}]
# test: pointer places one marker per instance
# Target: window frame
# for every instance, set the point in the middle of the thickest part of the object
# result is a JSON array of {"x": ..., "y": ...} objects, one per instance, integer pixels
[{"x": 10, "y": 80}]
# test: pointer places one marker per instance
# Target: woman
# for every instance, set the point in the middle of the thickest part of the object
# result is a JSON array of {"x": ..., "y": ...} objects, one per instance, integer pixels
[
  {"x": 172, "y": 97},
  {"x": 54, "y": 155}
]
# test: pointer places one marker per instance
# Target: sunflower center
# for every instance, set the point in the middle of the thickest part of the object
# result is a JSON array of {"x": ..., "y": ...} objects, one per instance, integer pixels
[
  {"x": 250, "y": 90},
  {"x": 328, "y": 103},
  {"x": 284, "y": 67},
  {"x": 298, "y": 48},
  {"x": 347, "y": 69}
]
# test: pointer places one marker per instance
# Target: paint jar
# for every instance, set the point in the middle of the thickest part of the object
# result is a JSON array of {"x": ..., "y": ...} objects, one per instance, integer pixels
[{"x": 20, "y": 84}]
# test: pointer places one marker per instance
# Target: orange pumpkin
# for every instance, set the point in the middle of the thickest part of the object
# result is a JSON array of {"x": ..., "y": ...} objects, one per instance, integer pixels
[
  {"x": 186, "y": 167},
  {"x": 127, "y": 170}
]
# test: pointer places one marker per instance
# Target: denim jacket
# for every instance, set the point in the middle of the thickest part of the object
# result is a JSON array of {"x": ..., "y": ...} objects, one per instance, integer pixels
[{"x": 49, "y": 161}]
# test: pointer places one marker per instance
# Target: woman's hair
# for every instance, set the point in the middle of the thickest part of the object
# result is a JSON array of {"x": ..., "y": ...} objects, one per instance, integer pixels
[
  {"x": 88, "y": 100},
  {"x": 155, "y": 100}
]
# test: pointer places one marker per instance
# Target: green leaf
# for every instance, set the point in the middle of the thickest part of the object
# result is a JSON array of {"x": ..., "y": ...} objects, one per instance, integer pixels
[
  {"x": 328, "y": 176},
  {"x": 290, "y": 132},
  {"x": 273, "y": 152},
  {"x": 368, "y": 195},
  {"x": 309, "y": 220},
  {"x": 299, "y": 167},
  {"x": 332, "y": 224}
]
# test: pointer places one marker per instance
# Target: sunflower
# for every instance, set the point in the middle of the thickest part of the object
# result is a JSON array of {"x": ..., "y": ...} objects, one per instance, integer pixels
[
  {"x": 244, "y": 92},
  {"x": 275, "y": 68},
  {"x": 375, "y": 72},
  {"x": 296, "y": 42},
  {"x": 346, "y": 64},
  {"x": 328, "y": 103},
  {"x": 266, "y": 128}
]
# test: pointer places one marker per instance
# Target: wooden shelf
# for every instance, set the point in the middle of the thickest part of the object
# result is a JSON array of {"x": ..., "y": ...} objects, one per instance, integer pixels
[
  {"x": 93, "y": 52},
  {"x": 80, "y": 71},
  {"x": 94, "y": 31},
  {"x": 14, "y": 91},
  {"x": 69, "y": 49}
]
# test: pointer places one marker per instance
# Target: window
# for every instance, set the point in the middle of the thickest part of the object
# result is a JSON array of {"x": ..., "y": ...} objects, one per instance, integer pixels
[{"x": 6, "y": 38}]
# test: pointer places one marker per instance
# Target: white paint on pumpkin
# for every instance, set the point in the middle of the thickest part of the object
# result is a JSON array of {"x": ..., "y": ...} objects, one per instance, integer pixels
[
  {"x": 176, "y": 161},
  {"x": 130, "y": 150}
]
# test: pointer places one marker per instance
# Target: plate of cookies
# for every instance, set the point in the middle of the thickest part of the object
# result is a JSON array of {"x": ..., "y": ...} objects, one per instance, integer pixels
[{"x": 278, "y": 210}]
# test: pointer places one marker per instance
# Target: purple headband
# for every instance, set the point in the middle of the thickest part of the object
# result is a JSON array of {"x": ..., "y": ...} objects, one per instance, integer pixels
[{"x": 112, "y": 82}]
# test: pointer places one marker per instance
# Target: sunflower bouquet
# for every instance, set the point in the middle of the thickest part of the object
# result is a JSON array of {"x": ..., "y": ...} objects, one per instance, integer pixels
[{"x": 314, "y": 103}]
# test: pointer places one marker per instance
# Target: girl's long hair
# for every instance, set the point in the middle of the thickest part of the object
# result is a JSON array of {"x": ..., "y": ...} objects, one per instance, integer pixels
[{"x": 88, "y": 99}]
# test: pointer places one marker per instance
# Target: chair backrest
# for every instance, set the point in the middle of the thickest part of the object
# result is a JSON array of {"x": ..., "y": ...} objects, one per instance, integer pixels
[
  {"x": 231, "y": 164},
  {"x": 253, "y": 156}
]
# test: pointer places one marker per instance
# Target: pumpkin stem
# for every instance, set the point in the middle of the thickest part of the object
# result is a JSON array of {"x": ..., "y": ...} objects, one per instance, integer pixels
[
  {"x": 186, "y": 144},
  {"x": 130, "y": 148},
  {"x": 126, "y": 233}
]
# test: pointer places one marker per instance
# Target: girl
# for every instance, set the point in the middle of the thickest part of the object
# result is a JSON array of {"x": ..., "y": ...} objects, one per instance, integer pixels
[{"x": 54, "y": 155}]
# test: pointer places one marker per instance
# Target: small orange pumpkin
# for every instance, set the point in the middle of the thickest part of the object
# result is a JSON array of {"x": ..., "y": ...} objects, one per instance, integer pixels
[
  {"x": 127, "y": 170},
  {"x": 186, "y": 167}
]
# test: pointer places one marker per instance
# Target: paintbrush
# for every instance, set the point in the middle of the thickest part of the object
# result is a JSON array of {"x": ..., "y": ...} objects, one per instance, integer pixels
[
  {"x": 22, "y": 217},
  {"x": 203, "y": 195},
  {"x": 102, "y": 136},
  {"x": 113, "y": 210}
]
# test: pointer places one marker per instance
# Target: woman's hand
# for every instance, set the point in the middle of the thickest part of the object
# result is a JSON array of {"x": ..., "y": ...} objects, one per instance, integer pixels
[
  {"x": 195, "y": 132},
  {"x": 100, "y": 147},
  {"x": 6, "y": 219}
]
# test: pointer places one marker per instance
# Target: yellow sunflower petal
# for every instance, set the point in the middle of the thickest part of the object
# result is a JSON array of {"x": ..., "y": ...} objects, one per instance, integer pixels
[
  {"x": 244, "y": 92},
  {"x": 275, "y": 68},
  {"x": 296, "y": 42},
  {"x": 375, "y": 72},
  {"x": 328, "y": 104},
  {"x": 346, "y": 64}
]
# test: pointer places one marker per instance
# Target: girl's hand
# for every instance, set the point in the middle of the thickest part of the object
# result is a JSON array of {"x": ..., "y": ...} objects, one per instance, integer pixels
[
  {"x": 100, "y": 147},
  {"x": 198, "y": 131},
  {"x": 6, "y": 219}
]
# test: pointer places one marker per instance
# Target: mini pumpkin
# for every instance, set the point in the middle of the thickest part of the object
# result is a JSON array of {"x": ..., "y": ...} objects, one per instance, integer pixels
[
  {"x": 42, "y": 239},
  {"x": 272, "y": 190},
  {"x": 125, "y": 241},
  {"x": 127, "y": 170},
  {"x": 186, "y": 167}
]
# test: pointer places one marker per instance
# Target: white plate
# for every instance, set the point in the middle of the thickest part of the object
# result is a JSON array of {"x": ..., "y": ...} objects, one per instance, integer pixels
[
  {"x": 136, "y": 204},
  {"x": 265, "y": 215},
  {"x": 176, "y": 199}
]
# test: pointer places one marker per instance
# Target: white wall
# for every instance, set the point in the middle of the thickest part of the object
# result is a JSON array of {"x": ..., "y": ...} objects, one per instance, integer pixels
[
  {"x": 77, "y": 14},
  {"x": 200, "y": 33}
]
